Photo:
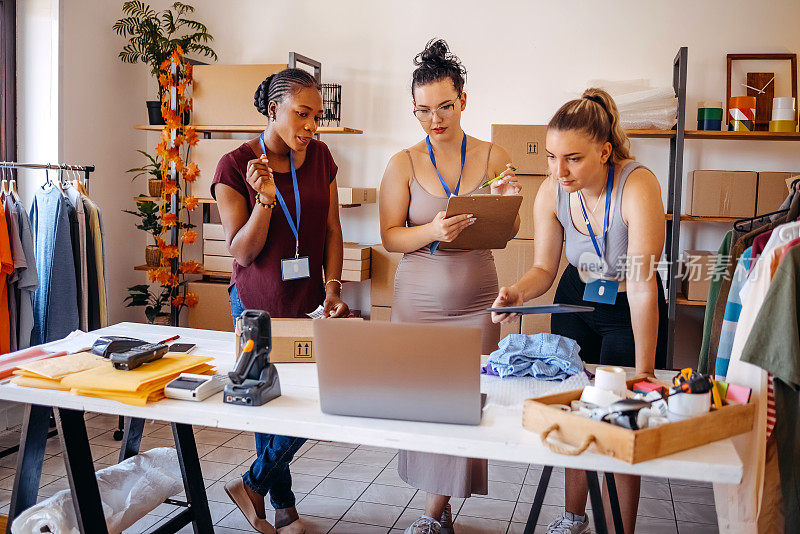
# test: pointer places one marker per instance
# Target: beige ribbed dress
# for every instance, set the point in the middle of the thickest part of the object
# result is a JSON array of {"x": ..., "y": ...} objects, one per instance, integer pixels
[{"x": 450, "y": 287}]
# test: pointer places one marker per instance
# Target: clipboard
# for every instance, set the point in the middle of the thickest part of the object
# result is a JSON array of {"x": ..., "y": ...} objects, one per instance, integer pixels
[
  {"x": 494, "y": 226},
  {"x": 547, "y": 308}
]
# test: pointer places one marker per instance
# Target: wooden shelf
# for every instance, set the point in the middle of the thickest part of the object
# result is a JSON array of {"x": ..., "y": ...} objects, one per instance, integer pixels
[
  {"x": 683, "y": 301},
  {"x": 212, "y": 201},
  {"x": 246, "y": 128},
  {"x": 743, "y": 136},
  {"x": 219, "y": 274},
  {"x": 698, "y": 218},
  {"x": 650, "y": 134}
]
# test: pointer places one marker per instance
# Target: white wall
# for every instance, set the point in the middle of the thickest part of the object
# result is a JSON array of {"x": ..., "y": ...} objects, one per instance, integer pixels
[{"x": 524, "y": 59}]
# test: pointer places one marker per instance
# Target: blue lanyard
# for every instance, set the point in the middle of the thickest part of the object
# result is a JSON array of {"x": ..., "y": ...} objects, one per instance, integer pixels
[
  {"x": 294, "y": 226},
  {"x": 609, "y": 187},
  {"x": 463, "y": 159}
]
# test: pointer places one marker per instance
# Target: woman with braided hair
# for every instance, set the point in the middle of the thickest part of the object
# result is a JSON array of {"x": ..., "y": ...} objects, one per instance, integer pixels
[
  {"x": 612, "y": 254},
  {"x": 262, "y": 188}
]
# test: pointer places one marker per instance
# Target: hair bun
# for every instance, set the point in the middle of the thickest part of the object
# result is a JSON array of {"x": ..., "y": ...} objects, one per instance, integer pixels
[
  {"x": 261, "y": 96},
  {"x": 436, "y": 54}
]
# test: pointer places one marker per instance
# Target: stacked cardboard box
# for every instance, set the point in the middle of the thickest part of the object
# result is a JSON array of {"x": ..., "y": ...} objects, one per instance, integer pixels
[
  {"x": 721, "y": 193},
  {"x": 214, "y": 310},
  {"x": 382, "y": 270},
  {"x": 698, "y": 271},
  {"x": 772, "y": 190},
  {"x": 350, "y": 196},
  {"x": 356, "y": 264},
  {"x": 216, "y": 256}
]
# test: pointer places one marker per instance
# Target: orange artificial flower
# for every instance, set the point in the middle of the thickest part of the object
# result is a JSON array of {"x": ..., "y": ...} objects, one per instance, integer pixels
[
  {"x": 177, "y": 301},
  {"x": 174, "y": 281},
  {"x": 178, "y": 162},
  {"x": 152, "y": 274},
  {"x": 191, "y": 300},
  {"x": 162, "y": 277},
  {"x": 164, "y": 65},
  {"x": 192, "y": 172},
  {"x": 190, "y": 267},
  {"x": 160, "y": 243},
  {"x": 189, "y": 237},
  {"x": 163, "y": 80},
  {"x": 190, "y": 203},
  {"x": 170, "y": 187},
  {"x": 169, "y": 219},
  {"x": 176, "y": 55},
  {"x": 191, "y": 136}
]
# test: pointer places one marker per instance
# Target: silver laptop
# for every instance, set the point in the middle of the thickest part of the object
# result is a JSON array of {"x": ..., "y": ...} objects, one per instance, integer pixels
[{"x": 414, "y": 372}]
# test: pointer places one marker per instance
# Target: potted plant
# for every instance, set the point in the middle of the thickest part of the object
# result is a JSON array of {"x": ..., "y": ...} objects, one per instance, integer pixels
[
  {"x": 152, "y": 169},
  {"x": 140, "y": 295},
  {"x": 148, "y": 213},
  {"x": 152, "y": 39}
]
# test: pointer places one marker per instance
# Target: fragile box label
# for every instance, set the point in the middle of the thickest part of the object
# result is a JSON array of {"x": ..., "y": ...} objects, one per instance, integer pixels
[
  {"x": 533, "y": 147},
  {"x": 303, "y": 349}
]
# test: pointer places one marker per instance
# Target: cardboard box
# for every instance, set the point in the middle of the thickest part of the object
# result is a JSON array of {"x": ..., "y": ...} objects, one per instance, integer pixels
[
  {"x": 632, "y": 446},
  {"x": 355, "y": 276},
  {"x": 355, "y": 265},
  {"x": 355, "y": 251},
  {"x": 698, "y": 270},
  {"x": 213, "y": 310},
  {"x": 207, "y": 154},
  {"x": 525, "y": 144},
  {"x": 223, "y": 94},
  {"x": 721, "y": 193},
  {"x": 218, "y": 263},
  {"x": 772, "y": 191},
  {"x": 380, "y": 313},
  {"x": 357, "y": 195},
  {"x": 213, "y": 247},
  {"x": 213, "y": 231},
  {"x": 293, "y": 340},
  {"x": 382, "y": 269},
  {"x": 530, "y": 187}
]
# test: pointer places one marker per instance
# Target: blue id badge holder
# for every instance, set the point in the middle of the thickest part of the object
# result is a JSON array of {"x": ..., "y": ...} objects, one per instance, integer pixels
[
  {"x": 601, "y": 291},
  {"x": 295, "y": 268}
]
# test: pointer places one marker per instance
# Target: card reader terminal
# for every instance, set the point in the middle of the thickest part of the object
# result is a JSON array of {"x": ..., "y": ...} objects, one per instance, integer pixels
[
  {"x": 133, "y": 358},
  {"x": 194, "y": 387}
]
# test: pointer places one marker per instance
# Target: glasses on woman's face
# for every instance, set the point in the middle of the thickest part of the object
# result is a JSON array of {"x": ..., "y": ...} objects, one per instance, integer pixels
[{"x": 443, "y": 112}]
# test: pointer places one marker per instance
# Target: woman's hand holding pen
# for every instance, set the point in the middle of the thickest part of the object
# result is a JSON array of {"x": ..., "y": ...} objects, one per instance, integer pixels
[
  {"x": 506, "y": 183},
  {"x": 259, "y": 176}
]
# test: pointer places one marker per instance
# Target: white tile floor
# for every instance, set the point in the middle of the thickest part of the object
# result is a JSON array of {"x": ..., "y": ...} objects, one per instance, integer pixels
[{"x": 343, "y": 488}]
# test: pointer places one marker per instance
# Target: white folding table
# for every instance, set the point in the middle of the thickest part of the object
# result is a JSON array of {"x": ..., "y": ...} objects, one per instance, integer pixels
[{"x": 500, "y": 436}]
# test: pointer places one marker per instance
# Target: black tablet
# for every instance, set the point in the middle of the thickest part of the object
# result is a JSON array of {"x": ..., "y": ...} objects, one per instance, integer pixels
[{"x": 548, "y": 308}]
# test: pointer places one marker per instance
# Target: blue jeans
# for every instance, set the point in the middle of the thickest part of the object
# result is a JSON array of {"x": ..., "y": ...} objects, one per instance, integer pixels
[{"x": 270, "y": 470}]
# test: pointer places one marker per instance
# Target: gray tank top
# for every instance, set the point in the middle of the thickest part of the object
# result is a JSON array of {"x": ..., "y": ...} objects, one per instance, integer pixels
[{"x": 579, "y": 247}]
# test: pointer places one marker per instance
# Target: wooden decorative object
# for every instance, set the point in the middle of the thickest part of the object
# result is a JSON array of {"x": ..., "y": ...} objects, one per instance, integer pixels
[
  {"x": 792, "y": 58},
  {"x": 152, "y": 256},
  {"x": 762, "y": 86}
]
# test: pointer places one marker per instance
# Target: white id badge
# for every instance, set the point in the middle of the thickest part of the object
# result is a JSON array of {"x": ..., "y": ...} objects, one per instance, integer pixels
[{"x": 295, "y": 268}]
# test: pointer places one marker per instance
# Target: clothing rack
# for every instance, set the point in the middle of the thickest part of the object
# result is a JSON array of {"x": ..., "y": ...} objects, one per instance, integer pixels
[{"x": 85, "y": 169}]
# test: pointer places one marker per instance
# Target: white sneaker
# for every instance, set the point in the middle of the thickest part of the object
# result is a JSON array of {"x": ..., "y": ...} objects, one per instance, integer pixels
[
  {"x": 569, "y": 523},
  {"x": 424, "y": 525}
]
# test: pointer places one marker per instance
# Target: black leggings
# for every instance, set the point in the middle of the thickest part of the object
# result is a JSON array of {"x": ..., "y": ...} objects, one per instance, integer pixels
[{"x": 605, "y": 335}]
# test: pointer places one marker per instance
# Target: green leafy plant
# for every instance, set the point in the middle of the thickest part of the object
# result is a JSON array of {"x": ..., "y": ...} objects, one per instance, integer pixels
[
  {"x": 149, "y": 219},
  {"x": 140, "y": 295},
  {"x": 152, "y": 34},
  {"x": 152, "y": 167}
]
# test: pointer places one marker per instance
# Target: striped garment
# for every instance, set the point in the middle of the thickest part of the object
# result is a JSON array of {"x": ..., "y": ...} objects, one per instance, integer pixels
[
  {"x": 771, "y": 415},
  {"x": 731, "y": 318}
]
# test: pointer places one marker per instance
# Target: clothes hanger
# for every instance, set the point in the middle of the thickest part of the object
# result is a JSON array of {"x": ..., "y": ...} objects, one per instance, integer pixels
[
  {"x": 13, "y": 186},
  {"x": 739, "y": 224},
  {"x": 4, "y": 190},
  {"x": 80, "y": 183}
]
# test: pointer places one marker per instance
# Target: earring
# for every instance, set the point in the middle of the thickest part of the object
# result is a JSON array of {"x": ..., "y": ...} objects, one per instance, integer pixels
[{"x": 273, "y": 116}]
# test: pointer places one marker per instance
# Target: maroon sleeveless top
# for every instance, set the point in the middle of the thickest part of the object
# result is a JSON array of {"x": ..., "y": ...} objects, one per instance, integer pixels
[{"x": 259, "y": 284}]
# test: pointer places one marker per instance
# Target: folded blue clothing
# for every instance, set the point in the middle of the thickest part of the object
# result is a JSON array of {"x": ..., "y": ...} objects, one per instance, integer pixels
[{"x": 543, "y": 356}]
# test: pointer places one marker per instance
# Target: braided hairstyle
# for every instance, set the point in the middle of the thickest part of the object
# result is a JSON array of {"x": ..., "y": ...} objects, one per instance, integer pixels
[
  {"x": 595, "y": 113},
  {"x": 436, "y": 63},
  {"x": 277, "y": 86}
]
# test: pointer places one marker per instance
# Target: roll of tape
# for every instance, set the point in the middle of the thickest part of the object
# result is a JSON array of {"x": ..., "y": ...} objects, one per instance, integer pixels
[
  {"x": 782, "y": 114},
  {"x": 783, "y": 102},
  {"x": 690, "y": 404},
  {"x": 709, "y": 114},
  {"x": 740, "y": 126},
  {"x": 782, "y": 126},
  {"x": 710, "y": 125},
  {"x": 599, "y": 397},
  {"x": 743, "y": 102},
  {"x": 611, "y": 378},
  {"x": 710, "y": 104}
]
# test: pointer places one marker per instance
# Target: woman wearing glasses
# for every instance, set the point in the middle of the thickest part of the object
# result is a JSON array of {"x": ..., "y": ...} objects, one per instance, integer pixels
[{"x": 442, "y": 286}]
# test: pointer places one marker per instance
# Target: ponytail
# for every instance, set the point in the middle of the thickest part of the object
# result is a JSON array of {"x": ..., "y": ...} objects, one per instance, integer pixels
[{"x": 595, "y": 113}]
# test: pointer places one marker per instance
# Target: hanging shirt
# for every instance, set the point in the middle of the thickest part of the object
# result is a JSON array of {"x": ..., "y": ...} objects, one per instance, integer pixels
[
  {"x": 733, "y": 308},
  {"x": 76, "y": 201},
  {"x": 6, "y": 268},
  {"x": 27, "y": 279},
  {"x": 774, "y": 345},
  {"x": 99, "y": 258},
  {"x": 93, "y": 300},
  {"x": 56, "y": 299},
  {"x": 18, "y": 255},
  {"x": 259, "y": 284}
]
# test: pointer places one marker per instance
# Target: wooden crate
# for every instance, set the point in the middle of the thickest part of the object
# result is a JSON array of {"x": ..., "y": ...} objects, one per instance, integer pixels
[{"x": 632, "y": 446}]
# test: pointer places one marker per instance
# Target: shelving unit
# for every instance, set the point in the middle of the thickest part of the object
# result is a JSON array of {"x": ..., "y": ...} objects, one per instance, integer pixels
[{"x": 247, "y": 128}]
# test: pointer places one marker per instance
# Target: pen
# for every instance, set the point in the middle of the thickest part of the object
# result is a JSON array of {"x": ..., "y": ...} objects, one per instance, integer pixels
[
  {"x": 173, "y": 338},
  {"x": 489, "y": 182}
]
